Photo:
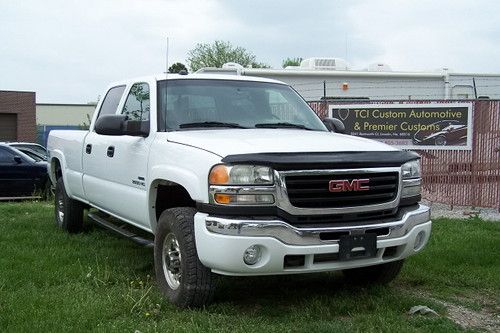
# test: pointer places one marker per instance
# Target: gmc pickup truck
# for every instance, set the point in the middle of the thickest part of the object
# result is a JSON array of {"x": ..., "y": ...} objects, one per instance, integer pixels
[{"x": 235, "y": 175}]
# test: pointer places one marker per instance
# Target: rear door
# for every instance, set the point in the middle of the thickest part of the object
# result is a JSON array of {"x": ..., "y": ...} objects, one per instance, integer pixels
[{"x": 96, "y": 172}]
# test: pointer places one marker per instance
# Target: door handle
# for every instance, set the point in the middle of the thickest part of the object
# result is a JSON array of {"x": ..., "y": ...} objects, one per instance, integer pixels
[
  {"x": 111, "y": 151},
  {"x": 88, "y": 148}
]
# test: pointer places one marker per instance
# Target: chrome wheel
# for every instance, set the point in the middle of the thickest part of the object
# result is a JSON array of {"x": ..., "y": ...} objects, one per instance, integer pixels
[{"x": 171, "y": 259}]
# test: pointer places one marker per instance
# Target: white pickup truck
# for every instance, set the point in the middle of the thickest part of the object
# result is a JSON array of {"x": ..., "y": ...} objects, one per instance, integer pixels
[{"x": 237, "y": 175}]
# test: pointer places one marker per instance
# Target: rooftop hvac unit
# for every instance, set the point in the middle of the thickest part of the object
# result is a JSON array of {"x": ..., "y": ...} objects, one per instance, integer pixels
[{"x": 335, "y": 64}]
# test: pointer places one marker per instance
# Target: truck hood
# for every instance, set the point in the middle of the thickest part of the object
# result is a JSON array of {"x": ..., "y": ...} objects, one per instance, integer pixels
[{"x": 248, "y": 141}]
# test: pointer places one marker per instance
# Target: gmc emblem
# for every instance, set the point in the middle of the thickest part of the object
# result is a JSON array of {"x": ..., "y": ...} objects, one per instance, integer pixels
[{"x": 345, "y": 185}]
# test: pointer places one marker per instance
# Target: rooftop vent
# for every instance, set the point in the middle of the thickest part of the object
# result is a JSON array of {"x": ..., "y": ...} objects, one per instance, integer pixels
[
  {"x": 325, "y": 64},
  {"x": 232, "y": 65},
  {"x": 379, "y": 67}
]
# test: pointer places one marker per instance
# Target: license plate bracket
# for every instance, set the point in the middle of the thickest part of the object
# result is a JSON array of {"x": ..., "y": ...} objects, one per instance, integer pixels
[{"x": 358, "y": 246}]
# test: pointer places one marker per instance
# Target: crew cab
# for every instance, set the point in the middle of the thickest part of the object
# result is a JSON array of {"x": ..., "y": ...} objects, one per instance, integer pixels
[{"x": 236, "y": 175}]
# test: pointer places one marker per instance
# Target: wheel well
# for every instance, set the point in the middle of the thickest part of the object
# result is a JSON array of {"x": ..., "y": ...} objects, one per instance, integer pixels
[
  {"x": 57, "y": 170},
  {"x": 170, "y": 196}
]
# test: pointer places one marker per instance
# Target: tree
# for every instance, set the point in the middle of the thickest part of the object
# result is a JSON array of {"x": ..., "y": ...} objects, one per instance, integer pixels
[
  {"x": 177, "y": 67},
  {"x": 291, "y": 62},
  {"x": 219, "y": 53}
]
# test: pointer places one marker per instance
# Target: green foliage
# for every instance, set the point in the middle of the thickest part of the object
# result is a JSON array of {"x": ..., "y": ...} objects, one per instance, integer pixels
[
  {"x": 259, "y": 65},
  {"x": 177, "y": 67},
  {"x": 219, "y": 53},
  {"x": 95, "y": 281},
  {"x": 86, "y": 123},
  {"x": 291, "y": 62}
]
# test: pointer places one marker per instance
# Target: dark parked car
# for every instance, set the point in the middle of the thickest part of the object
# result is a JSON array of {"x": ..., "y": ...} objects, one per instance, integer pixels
[
  {"x": 35, "y": 147},
  {"x": 21, "y": 175},
  {"x": 452, "y": 133},
  {"x": 36, "y": 155}
]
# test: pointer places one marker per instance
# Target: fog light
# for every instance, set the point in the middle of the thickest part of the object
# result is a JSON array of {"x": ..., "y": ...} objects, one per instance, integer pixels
[
  {"x": 252, "y": 255},
  {"x": 419, "y": 240}
]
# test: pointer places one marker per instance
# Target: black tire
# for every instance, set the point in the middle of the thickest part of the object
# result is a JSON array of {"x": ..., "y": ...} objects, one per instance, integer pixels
[
  {"x": 195, "y": 283},
  {"x": 378, "y": 274},
  {"x": 68, "y": 212}
]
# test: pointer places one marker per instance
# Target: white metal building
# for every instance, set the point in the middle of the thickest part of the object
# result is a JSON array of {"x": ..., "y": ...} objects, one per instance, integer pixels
[{"x": 317, "y": 78}]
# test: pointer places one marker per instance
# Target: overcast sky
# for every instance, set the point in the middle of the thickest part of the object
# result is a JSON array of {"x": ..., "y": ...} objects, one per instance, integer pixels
[{"x": 69, "y": 51}]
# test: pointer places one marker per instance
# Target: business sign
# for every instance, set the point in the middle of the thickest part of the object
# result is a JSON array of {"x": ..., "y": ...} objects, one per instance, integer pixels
[{"x": 414, "y": 126}]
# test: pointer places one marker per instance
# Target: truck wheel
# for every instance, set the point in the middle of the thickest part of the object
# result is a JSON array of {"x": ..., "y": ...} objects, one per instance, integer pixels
[
  {"x": 378, "y": 274},
  {"x": 68, "y": 212},
  {"x": 179, "y": 273}
]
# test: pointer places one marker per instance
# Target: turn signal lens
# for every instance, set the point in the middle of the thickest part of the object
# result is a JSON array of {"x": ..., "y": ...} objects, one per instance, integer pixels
[
  {"x": 219, "y": 175},
  {"x": 244, "y": 199},
  {"x": 222, "y": 198}
]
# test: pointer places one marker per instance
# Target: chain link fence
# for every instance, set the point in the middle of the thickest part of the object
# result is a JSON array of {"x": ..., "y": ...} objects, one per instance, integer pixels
[{"x": 458, "y": 177}]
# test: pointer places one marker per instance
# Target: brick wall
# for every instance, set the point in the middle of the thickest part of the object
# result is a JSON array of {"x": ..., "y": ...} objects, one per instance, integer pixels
[{"x": 22, "y": 104}]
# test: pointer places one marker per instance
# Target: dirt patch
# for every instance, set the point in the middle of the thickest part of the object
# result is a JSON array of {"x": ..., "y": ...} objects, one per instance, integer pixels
[
  {"x": 467, "y": 318},
  {"x": 487, "y": 318}
]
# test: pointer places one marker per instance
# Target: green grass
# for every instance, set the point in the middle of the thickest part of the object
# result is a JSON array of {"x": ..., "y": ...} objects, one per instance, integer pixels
[{"x": 54, "y": 282}]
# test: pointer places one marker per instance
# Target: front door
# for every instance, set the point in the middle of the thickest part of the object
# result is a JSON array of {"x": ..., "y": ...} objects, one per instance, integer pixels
[{"x": 115, "y": 177}]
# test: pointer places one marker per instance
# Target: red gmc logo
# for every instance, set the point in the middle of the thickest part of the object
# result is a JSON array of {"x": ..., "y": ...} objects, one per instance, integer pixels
[{"x": 345, "y": 186}]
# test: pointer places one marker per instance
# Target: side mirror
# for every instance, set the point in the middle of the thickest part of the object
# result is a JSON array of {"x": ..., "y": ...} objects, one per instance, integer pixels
[
  {"x": 18, "y": 159},
  {"x": 334, "y": 125},
  {"x": 119, "y": 125}
]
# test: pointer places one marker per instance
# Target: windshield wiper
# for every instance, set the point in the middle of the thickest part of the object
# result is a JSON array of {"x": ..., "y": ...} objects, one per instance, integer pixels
[
  {"x": 210, "y": 124},
  {"x": 281, "y": 125}
]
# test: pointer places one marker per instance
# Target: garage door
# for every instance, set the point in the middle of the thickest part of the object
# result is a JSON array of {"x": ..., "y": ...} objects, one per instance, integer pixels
[{"x": 8, "y": 127}]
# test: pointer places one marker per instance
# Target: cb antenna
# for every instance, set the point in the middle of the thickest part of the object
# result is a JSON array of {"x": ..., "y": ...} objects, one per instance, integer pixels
[
  {"x": 164, "y": 125},
  {"x": 166, "y": 62}
]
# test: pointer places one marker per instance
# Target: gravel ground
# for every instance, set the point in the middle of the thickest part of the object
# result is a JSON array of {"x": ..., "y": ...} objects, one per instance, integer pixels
[{"x": 462, "y": 212}]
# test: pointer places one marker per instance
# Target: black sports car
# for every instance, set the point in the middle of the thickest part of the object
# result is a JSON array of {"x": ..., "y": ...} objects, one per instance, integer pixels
[{"x": 21, "y": 175}]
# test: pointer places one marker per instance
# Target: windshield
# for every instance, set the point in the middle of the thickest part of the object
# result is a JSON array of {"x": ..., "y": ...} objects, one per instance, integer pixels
[{"x": 189, "y": 104}]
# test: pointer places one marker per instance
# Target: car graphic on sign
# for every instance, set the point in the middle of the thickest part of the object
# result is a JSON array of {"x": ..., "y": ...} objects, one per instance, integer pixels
[{"x": 452, "y": 133}]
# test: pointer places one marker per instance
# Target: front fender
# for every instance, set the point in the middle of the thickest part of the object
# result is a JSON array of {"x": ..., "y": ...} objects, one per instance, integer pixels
[{"x": 184, "y": 177}]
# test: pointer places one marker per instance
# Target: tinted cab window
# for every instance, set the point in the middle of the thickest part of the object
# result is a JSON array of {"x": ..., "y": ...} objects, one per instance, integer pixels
[{"x": 111, "y": 101}]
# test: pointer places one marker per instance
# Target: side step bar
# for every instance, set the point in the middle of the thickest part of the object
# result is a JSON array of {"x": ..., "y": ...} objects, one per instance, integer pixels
[{"x": 102, "y": 221}]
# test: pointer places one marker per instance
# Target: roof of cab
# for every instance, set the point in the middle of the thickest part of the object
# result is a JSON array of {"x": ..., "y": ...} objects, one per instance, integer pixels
[{"x": 160, "y": 77}]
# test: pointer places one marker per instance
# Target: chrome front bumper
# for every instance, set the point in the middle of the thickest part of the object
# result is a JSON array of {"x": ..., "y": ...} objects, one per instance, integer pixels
[
  {"x": 221, "y": 242},
  {"x": 396, "y": 226}
]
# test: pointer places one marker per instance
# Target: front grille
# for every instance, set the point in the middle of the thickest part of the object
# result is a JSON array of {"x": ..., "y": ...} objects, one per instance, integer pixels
[{"x": 312, "y": 191}]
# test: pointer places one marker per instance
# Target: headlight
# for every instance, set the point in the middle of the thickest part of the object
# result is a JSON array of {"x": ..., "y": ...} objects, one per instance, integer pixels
[
  {"x": 240, "y": 175},
  {"x": 241, "y": 185},
  {"x": 411, "y": 169},
  {"x": 411, "y": 174}
]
